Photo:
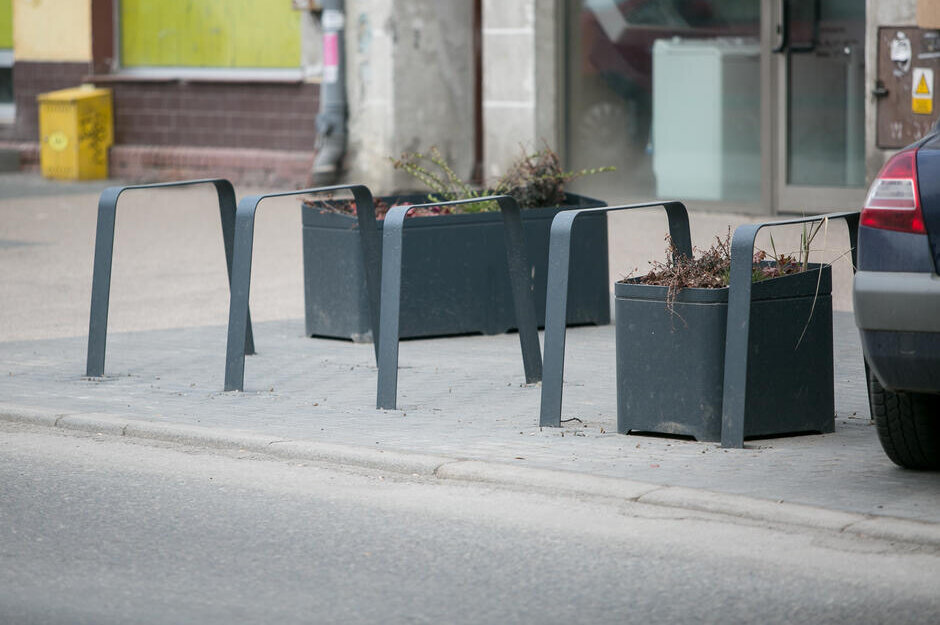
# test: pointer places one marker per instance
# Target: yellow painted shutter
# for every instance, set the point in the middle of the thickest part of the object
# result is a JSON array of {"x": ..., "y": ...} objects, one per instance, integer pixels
[
  {"x": 209, "y": 33},
  {"x": 6, "y": 23}
]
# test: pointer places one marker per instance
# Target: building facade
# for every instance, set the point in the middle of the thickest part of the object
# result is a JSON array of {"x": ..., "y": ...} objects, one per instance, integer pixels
[
  {"x": 198, "y": 87},
  {"x": 760, "y": 106}
]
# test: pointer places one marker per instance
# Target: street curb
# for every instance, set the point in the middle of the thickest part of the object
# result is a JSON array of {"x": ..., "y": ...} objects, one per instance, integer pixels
[{"x": 478, "y": 471}]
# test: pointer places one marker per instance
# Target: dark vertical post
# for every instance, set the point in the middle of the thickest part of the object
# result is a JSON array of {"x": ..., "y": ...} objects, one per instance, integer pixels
[
  {"x": 387, "y": 389},
  {"x": 523, "y": 291},
  {"x": 556, "y": 314},
  {"x": 477, "y": 174},
  {"x": 240, "y": 289},
  {"x": 734, "y": 397},
  {"x": 101, "y": 281},
  {"x": 227, "y": 209}
]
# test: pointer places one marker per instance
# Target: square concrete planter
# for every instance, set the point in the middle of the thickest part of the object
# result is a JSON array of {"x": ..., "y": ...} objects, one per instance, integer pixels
[
  {"x": 670, "y": 366},
  {"x": 454, "y": 275}
]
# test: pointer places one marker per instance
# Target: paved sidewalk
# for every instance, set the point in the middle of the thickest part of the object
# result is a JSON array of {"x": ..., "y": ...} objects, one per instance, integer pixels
[{"x": 460, "y": 398}]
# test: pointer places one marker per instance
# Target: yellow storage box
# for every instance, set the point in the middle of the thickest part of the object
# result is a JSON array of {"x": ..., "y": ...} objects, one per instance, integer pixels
[{"x": 76, "y": 129}]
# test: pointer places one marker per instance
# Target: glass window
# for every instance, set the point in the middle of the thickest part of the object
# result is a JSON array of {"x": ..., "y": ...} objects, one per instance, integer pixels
[
  {"x": 209, "y": 33},
  {"x": 826, "y": 100},
  {"x": 668, "y": 91}
]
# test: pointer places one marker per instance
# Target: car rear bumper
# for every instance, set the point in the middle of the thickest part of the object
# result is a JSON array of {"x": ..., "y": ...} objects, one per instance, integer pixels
[
  {"x": 897, "y": 301},
  {"x": 899, "y": 317}
]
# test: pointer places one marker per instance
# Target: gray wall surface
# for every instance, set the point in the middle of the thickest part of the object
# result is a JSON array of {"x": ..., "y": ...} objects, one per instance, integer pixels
[{"x": 410, "y": 86}]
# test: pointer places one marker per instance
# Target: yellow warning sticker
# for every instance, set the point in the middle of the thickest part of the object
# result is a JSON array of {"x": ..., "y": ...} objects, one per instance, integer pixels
[
  {"x": 922, "y": 91},
  {"x": 922, "y": 106}
]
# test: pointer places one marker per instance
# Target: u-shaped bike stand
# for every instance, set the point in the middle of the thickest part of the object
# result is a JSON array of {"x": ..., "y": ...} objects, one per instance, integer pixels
[
  {"x": 556, "y": 301},
  {"x": 238, "y": 316},
  {"x": 522, "y": 293},
  {"x": 739, "y": 318},
  {"x": 104, "y": 256},
  {"x": 734, "y": 390}
]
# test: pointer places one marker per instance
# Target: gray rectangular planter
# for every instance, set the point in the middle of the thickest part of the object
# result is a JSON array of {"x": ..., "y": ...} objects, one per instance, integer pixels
[
  {"x": 670, "y": 367},
  {"x": 454, "y": 277}
]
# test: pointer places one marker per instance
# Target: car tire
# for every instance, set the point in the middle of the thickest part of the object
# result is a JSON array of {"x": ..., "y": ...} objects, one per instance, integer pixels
[{"x": 908, "y": 425}]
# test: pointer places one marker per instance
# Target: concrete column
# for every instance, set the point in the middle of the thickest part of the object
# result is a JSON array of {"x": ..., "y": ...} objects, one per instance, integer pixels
[
  {"x": 521, "y": 84},
  {"x": 508, "y": 82},
  {"x": 409, "y": 86}
]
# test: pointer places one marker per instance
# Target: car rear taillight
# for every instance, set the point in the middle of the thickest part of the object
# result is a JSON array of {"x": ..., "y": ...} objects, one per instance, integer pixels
[{"x": 893, "y": 202}]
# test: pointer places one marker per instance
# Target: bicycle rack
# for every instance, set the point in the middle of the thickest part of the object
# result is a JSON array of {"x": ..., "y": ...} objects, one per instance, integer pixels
[
  {"x": 104, "y": 256},
  {"x": 390, "y": 309},
  {"x": 239, "y": 325},
  {"x": 556, "y": 301}
]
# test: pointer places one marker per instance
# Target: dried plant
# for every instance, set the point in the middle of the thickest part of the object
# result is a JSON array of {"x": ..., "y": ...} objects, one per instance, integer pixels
[
  {"x": 711, "y": 268},
  {"x": 539, "y": 180},
  {"x": 534, "y": 180},
  {"x": 432, "y": 171}
]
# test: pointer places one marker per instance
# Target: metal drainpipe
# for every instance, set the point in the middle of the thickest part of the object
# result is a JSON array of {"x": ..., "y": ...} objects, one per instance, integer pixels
[{"x": 330, "y": 144}]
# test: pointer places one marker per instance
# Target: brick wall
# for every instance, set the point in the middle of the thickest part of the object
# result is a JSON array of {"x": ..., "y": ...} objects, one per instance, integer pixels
[
  {"x": 255, "y": 115},
  {"x": 260, "y": 115},
  {"x": 254, "y": 132},
  {"x": 248, "y": 166},
  {"x": 29, "y": 80}
]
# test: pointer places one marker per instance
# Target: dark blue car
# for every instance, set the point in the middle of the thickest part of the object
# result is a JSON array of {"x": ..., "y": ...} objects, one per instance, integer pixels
[{"x": 897, "y": 303}]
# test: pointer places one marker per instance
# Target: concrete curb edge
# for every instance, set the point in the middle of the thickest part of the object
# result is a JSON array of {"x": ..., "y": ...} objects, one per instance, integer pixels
[{"x": 447, "y": 468}]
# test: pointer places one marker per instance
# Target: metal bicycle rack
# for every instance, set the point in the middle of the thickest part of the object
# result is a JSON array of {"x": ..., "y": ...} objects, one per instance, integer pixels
[
  {"x": 239, "y": 323},
  {"x": 522, "y": 292},
  {"x": 739, "y": 306},
  {"x": 556, "y": 301},
  {"x": 104, "y": 256}
]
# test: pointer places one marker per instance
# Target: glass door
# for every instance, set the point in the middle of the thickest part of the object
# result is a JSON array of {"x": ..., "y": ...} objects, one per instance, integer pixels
[
  {"x": 667, "y": 91},
  {"x": 817, "y": 61}
]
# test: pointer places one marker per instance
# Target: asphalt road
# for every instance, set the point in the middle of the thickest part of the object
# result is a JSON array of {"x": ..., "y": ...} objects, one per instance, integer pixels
[{"x": 101, "y": 530}]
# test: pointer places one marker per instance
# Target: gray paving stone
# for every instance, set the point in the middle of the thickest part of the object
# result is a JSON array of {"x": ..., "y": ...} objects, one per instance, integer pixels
[{"x": 462, "y": 398}]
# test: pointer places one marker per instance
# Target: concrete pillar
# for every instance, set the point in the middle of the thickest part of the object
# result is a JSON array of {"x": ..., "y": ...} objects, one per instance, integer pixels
[
  {"x": 410, "y": 86},
  {"x": 521, "y": 86}
]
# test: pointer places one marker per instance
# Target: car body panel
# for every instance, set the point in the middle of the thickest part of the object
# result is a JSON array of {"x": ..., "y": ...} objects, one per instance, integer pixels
[
  {"x": 905, "y": 302},
  {"x": 904, "y": 361},
  {"x": 886, "y": 250},
  {"x": 928, "y": 179},
  {"x": 896, "y": 292}
]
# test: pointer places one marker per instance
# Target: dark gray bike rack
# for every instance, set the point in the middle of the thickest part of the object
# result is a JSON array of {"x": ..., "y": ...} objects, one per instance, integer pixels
[
  {"x": 739, "y": 321},
  {"x": 556, "y": 301},
  {"x": 739, "y": 306},
  {"x": 238, "y": 316},
  {"x": 104, "y": 254},
  {"x": 390, "y": 310}
]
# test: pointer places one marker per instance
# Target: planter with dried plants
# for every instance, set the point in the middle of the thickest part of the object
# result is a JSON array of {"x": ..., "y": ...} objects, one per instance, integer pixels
[
  {"x": 453, "y": 269},
  {"x": 671, "y": 332}
]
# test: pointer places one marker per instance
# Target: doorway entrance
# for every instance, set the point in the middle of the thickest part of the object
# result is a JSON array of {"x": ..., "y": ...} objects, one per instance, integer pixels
[
  {"x": 817, "y": 104},
  {"x": 730, "y": 105}
]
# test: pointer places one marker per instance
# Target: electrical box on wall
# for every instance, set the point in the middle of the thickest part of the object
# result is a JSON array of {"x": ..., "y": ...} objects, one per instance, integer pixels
[{"x": 908, "y": 68}]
